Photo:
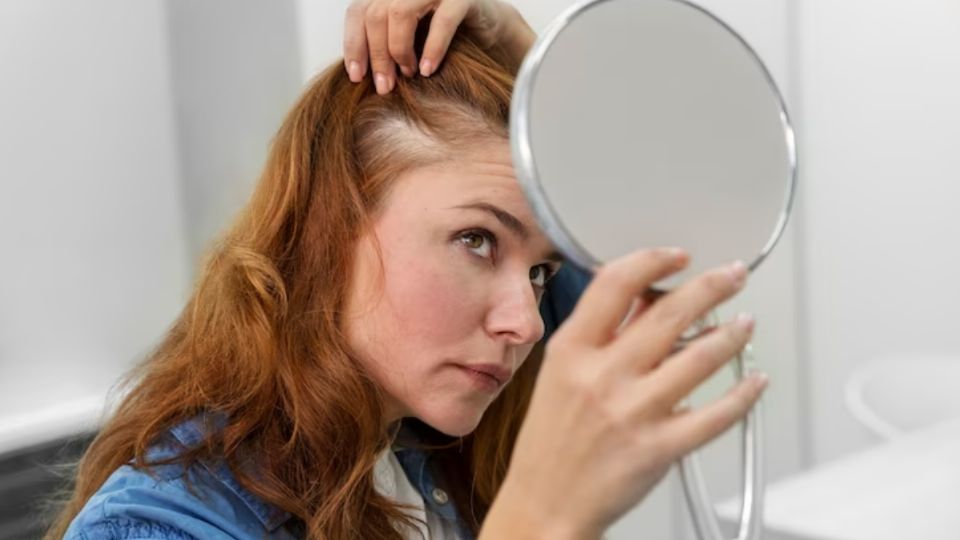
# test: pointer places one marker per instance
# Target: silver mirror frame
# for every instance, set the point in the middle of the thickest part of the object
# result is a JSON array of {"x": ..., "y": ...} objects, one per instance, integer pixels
[{"x": 526, "y": 168}]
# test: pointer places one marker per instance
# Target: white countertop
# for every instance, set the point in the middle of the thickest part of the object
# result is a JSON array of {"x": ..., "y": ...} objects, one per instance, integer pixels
[
  {"x": 50, "y": 423},
  {"x": 40, "y": 404},
  {"x": 904, "y": 489}
]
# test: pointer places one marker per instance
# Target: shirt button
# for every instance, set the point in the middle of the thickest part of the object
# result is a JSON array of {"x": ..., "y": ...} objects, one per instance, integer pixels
[{"x": 440, "y": 496}]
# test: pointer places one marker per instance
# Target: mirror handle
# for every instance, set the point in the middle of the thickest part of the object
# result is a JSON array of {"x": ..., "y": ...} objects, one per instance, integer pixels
[{"x": 702, "y": 512}]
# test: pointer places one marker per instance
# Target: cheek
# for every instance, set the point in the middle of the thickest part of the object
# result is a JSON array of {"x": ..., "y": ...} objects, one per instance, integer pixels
[{"x": 432, "y": 297}]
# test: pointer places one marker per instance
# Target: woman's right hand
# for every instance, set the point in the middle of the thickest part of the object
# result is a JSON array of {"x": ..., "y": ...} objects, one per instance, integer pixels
[
  {"x": 381, "y": 33},
  {"x": 602, "y": 428}
]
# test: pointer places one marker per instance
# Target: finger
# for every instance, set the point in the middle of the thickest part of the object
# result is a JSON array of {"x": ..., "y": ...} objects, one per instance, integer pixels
[
  {"x": 607, "y": 298},
  {"x": 686, "y": 370},
  {"x": 653, "y": 336},
  {"x": 686, "y": 431},
  {"x": 401, "y": 28},
  {"x": 381, "y": 64},
  {"x": 443, "y": 25},
  {"x": 355, "y": 41}
]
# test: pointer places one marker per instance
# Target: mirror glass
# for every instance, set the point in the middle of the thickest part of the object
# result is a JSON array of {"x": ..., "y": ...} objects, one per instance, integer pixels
[{"x": 651, "y": 123}]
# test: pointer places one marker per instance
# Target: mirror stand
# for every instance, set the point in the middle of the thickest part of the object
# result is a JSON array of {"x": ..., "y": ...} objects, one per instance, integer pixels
[{"x": 701, "y": 507}]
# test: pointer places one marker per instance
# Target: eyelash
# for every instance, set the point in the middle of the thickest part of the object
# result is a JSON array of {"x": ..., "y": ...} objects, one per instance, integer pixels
[{"x": 548, "y": 270}]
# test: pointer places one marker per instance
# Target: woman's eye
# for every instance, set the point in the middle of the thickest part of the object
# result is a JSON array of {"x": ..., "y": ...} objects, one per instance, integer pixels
[
  {"x": 539, "y": 275},
  {"x": 478, "y": 241},
  {"x": 483, "y": 242}
]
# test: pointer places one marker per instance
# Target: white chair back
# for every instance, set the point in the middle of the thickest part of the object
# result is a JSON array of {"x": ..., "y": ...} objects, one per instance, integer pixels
[{"x": 894, "y": 395}]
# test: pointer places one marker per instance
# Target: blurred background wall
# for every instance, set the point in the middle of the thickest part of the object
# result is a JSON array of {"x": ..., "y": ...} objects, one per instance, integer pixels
[
  {"x": 95, "y": 257},
  {"x": 878, "y": 87},
  {"x": 131, "y": 132}
]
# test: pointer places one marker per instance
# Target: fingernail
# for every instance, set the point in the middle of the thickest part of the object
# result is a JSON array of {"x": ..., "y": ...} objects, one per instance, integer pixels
[
  {"x": 407, "y": 71},
  {"x": 426, "y": 67},
  {"x": 353, "y": 70},
  {"x": 738, "y": 273},
  {"x": 745, "y": 322},
  {"x": 760, "y": 380},
  {"x": 380, "y": 80}
]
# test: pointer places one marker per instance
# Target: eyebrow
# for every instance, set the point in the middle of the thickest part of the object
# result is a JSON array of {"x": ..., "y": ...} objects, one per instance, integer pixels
[{"x": 509, "y": 221}]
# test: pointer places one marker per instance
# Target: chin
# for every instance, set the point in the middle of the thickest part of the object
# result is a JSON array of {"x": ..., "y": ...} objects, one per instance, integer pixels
[{"x": 452, "y": 422}]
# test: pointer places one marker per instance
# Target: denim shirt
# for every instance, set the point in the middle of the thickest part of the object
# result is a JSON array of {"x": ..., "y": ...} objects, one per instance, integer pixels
[{"x": 133, "y": 503}]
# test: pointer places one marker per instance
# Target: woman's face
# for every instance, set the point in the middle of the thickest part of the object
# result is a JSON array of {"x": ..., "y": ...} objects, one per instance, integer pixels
[{"x": 463, "y": 268}]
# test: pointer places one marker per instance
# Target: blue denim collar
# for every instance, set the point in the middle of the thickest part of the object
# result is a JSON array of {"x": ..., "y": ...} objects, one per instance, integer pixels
[
  {"x": 414, "y": 461},
  {"x": 190, "y": 433}
]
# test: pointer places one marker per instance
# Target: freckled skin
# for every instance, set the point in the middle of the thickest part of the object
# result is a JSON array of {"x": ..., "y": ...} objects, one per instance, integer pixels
[{"x": 442, "y": 299}]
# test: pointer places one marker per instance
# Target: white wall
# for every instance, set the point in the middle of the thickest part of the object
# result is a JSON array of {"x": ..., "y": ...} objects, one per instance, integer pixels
[
  {"x": 879, "y": 84},
  {"x": 131, "y": 134},
  {"x": 235, "y": 71},
  {"x": 94, "y": 264}
]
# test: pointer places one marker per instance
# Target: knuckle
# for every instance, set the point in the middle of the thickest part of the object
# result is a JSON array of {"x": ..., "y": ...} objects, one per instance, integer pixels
[
  {"x": 444, "y": 20},
  {"x": 592, "y": 395},
  {"x": 380, "y": 64},
  {"x": 398, "y": 10},
  {"x": 399, "y": 51},
  {"x": 357, "y": 9},
  {"x": 380, "y": 58},
  {"x": 702, "y": 353},
  {"x": 616, "y": 414},
  {"x": 353, "y": 43},
  {"x": 651, "y": 401},
  {"x": 673, "y": 317},
  {"x": 657, "y": 403},
  {"x": 376, "y": 14}
]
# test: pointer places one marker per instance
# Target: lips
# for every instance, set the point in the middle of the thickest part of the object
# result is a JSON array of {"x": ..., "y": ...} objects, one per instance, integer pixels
[{"x": 502, "y": 374}]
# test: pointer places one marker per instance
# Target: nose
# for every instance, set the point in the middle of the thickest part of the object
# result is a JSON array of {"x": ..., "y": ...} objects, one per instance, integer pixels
[{"x": 514, "y": 315}]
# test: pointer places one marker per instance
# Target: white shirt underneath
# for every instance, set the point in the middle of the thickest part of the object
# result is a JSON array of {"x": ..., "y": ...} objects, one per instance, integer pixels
[{"x": 390, "y": 481}]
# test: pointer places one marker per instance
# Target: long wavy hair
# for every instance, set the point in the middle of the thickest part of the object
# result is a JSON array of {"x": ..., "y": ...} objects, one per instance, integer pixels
[{"x": 261, "y": 338}]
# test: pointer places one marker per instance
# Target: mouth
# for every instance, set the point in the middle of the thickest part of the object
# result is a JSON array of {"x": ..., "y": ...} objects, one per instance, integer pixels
[{"x": 489, "y": 376}]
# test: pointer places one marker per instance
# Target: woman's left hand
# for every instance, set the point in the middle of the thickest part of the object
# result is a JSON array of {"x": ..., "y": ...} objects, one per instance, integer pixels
[{"x": 381, "y": 33}]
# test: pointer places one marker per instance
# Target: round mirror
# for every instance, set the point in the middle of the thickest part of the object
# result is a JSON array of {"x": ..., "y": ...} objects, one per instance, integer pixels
[{"x": 646, "y": 123}]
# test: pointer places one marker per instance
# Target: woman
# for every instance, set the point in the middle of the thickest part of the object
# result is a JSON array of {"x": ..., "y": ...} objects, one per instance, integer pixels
[{"x": 359, "y": 353}]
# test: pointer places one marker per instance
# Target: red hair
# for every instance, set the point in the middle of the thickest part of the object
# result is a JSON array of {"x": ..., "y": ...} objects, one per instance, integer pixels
[{"x": 260, "y": 339}]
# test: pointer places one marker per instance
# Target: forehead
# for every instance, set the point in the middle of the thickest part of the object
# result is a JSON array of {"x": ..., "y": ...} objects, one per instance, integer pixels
[
  {"x": 482, "y": 173},
  {"x": 481, "y": 177}
]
